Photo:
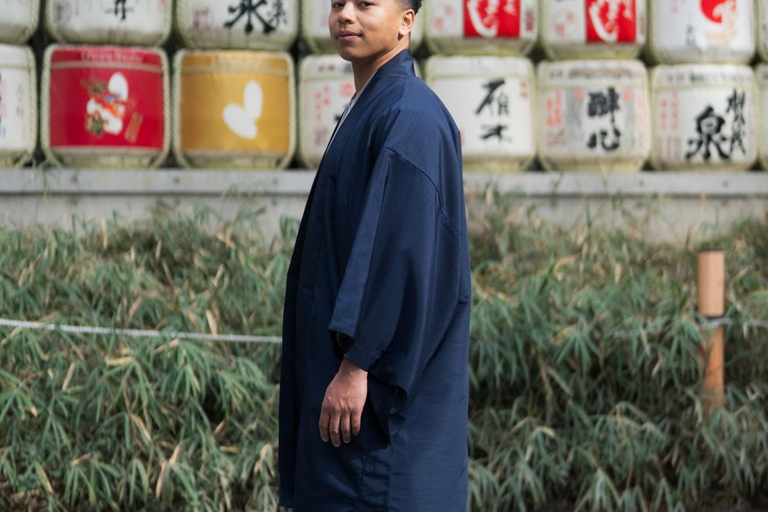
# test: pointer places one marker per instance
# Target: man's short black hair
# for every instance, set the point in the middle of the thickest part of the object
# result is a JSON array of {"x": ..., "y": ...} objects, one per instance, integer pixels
[{"x": 412, "y": 4}]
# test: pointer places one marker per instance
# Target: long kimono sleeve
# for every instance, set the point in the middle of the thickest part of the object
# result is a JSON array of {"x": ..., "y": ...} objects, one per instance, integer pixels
[{"x": 400, "y": 288}]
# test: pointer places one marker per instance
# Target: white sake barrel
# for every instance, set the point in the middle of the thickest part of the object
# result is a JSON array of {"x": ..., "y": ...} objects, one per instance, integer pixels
[
  {"x": 133, "y": 22},
  {"x": 701, "y": 31},
  {"x": 18, "y": 105},
  {"x": 18, "y": 20},
  {"x": 762, "y": 127},
  {"x": 593, "y": 29},
  {"x": 704, "y": 117},
  {"x": 238, "y": 24},
  {"x": 492, "y": 100},
  {"x": 593, "y": 115},
  {"x": 480, "y": 27},
  {"x": 105, "y": 106},
  {"x": 762, "y": 28},
  {"x": 315, "y": 32},
  {"x": 234, "y": 109},
  {"x": 326, "y": 84}
]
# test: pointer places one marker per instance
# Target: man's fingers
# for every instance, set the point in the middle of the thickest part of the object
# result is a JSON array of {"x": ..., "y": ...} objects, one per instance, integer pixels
[
  {"x": 346, "y": 430},
  {"x": 333, "y": 428},
  {"x": 354, "y": 421},
  {"x": 325, "y": 417}
]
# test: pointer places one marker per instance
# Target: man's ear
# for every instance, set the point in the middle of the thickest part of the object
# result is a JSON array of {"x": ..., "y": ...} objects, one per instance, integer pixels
[{"x": 407, "y": 22}]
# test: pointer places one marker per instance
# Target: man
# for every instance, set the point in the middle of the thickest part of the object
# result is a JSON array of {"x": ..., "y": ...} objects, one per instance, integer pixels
[{"x": 375, "y": 382}]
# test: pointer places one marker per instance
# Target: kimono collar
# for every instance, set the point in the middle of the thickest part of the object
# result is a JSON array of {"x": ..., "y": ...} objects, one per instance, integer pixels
[{"x": 399, "y": 65}]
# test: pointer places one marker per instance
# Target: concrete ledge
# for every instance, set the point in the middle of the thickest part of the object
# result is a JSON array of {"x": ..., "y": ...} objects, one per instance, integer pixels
[
  {"x": 674, "y": 206},
  {"x": 210, "y": 182}
]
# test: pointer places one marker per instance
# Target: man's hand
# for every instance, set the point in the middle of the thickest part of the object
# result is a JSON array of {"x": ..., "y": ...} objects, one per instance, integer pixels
[{"x": 343, "y": 403}]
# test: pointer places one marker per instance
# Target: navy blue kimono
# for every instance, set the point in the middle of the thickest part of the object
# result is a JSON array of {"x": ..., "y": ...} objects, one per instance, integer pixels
[{"x": 380, "y": 275}]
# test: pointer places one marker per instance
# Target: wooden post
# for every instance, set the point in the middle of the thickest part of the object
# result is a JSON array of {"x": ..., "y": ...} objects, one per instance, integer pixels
[{"x": 711, "y": 299}]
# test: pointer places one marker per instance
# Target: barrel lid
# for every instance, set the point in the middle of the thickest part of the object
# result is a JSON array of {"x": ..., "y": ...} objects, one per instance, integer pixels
[{"x": 13, "y": 56}]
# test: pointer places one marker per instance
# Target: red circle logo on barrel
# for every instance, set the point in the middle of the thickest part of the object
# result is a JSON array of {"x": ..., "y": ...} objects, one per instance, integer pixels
[{"x": 716, "y": 9}]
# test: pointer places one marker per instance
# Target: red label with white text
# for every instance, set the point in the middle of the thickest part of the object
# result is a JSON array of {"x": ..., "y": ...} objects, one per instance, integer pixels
[
  {"x": 106, "y": 97},
  {"x": 611, "y": 21},
  {"x": 492, "y": 18}
]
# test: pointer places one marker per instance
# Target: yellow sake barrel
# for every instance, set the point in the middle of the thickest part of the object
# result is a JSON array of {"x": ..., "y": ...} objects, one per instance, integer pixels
[
  {"x": 480, "y": 27},
  {"x": 130, "y": 22},
  {"x": 18, "y": 20},
  {"x": 492, "y": 100},
  {"x": 105, "y": 106},
  {"x": 238, "y": 24},
  {"x": 234, "y": 109},
  {"x": 315, "y": 32},
  {"x": 762, "y": 28},
  {"x": 704, "y": 117},
  {"x": 326, "y": 84},
  {"x": 701, "y": 31},
  {"x": 18, "y": 105},
  {"x": 762, "y": 127},
  {"x": 593, "y": 29},
  {"x": 593, "y": 115}
]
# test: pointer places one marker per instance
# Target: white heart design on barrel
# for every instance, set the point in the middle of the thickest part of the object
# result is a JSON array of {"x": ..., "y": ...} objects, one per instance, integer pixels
[{"x": 241, "y": 119}]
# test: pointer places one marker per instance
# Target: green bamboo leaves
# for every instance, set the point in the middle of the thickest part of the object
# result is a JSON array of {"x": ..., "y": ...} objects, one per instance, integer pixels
[{"x": 584, "y": 367}]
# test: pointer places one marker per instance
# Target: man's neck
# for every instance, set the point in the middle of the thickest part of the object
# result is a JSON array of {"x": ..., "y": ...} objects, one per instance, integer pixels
[{"x": 363, "y": 69}]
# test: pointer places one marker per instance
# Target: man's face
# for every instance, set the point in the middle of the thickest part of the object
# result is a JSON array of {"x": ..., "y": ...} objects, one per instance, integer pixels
[{"x": 363, "y": 29}]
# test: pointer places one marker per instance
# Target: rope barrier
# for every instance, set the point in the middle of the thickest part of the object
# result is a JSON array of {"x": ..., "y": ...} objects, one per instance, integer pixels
[
  {"x": 137, "y": 333},
  {"x": 237, "y": 338}
]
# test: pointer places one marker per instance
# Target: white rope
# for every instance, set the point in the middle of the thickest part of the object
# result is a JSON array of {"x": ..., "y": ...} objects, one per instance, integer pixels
[
  {"x": 727, "y": 321},
  {"x": 136, "y": 333}
]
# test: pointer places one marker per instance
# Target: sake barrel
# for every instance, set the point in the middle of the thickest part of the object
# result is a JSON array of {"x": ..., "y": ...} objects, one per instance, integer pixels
[
  {"x": 762, "y": 129},
  {"x": 593, "y": 115},
  {"x": 326, "y": 85},
  {"x": 704, "y": 117},
  {"x": 593, "y": 29},
  {"x": 105, "y": 106},
  {"x": 18, "y": 105},
  {"x": 234, "y": 109},
  {"x": 238, "y": 24},
  {"x": 130, "y": 22},
  {"x": 480, "y": 27},
  {"x": 491, "y": 99},
  {"x": 315, "y": 32},
  {"x": 19, "y": 20},
  {"x": 701, "y": 31},
  {"x": 762, "y": 28}
]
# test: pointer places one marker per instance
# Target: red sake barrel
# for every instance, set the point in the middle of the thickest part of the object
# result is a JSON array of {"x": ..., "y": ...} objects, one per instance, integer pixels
[{"x": 105, "y": 106}]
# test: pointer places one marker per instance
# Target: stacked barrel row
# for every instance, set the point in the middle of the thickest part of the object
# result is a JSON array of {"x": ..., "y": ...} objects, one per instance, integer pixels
[{"x": 232, "y": 101}]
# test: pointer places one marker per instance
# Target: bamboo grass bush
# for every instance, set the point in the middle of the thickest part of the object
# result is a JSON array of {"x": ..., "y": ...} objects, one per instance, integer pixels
[{"x": 585, "y": 368}]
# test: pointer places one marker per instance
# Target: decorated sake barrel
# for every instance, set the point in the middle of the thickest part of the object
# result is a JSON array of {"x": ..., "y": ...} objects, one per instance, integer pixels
[
  {"x": 704, "y": 117},
  {"x": 234, "y": 109},
  {"x": 238, "y": 24},
  {"x": 326, "y": 85},
  {"x": 315, "y": 31},
  {"x": 491, "y": 99},
  {"x": 762, "y": 80},
  {"x": 762, "y": 28},
  {"x": 18, "y": 105},
  {"x": 593, "y": 115},
  {"x": 480, "y": 27},
  {"x": 701, "y": 31},
  {"x": 130, "y": 22},
  {"x": 593, "y": 29},
  {"x": 105, "y": 106},
  {"x": 18, "y": 20}
]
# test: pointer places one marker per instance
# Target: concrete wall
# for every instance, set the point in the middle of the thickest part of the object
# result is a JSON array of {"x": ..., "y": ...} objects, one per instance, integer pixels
[{"x": 671, "y": 206}]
